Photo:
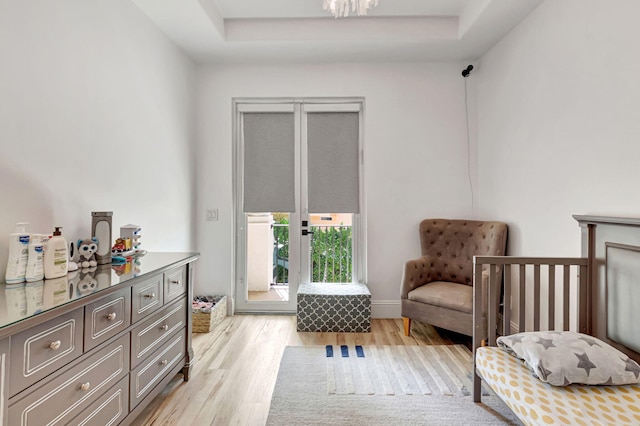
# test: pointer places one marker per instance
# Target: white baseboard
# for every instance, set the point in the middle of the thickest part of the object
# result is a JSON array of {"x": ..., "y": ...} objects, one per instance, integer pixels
[
  {"x": 385, "y": 309},
  {"x": 379, "y": 308}
]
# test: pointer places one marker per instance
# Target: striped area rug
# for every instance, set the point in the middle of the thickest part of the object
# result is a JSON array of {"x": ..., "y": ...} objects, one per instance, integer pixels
[
  {"x": 399, "y": 370},
  {"x": 380, "y": 386}
]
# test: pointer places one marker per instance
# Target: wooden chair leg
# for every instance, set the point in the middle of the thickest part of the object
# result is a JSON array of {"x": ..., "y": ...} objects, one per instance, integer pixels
[{"x": 407, "y": 326}]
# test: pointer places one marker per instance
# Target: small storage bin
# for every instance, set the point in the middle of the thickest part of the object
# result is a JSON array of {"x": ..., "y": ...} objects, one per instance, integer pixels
[
  {"x": 334, "y": 307},
  {"x": 204, "y": 319}
]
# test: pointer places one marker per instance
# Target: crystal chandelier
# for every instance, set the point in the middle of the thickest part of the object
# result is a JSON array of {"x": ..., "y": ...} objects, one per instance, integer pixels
[{"x": 341, "y": 7}]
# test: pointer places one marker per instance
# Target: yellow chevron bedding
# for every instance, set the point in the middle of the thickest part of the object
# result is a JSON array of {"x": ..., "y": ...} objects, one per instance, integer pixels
[{"x": 538, "y": 403}]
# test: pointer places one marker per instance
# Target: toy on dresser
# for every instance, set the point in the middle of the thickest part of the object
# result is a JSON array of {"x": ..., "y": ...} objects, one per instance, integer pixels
[
  {"x": 122, "y": 247},
  {"x": 128, "y": 245},
  {"x": 129, "y": 242},
  {"x": 132, "y": 232},
  {"x": 87, "y": 253}
]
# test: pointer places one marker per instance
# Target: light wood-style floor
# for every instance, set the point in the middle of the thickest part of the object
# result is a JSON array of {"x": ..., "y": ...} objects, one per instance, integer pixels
[
  {"x": 237, "y": 364},
  {"x": 277, "y": 293}
]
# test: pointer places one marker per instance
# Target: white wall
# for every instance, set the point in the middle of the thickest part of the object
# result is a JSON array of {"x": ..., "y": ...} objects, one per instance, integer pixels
[
  {"x": 559, "y": 122},
  {"x": 415, "y": 156},
  {"x": 96, "y": 113}
]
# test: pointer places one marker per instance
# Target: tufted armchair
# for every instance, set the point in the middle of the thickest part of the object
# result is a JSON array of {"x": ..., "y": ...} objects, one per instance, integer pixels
[{"x": 437, "y": 288}]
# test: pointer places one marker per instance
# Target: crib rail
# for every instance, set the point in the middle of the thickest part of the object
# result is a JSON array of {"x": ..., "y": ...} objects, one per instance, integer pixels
[{"x": 526, "y": 273}]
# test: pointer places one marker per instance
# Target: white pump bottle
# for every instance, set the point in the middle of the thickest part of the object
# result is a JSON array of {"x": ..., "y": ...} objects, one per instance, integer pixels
[
  {"x": 56, "y": 256},
  {"x": 18, "y": 254}
]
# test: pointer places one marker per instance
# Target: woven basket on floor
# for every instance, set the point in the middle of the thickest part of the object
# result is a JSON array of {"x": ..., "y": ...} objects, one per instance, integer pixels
[{"x": 205, "y": 320}]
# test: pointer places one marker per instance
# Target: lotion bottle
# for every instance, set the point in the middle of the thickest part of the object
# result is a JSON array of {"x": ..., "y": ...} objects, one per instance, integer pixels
[
  {"x": 35, "y": 263},
  {"x": 56, "y": 256},
  {"x": 18, "y": 254}
]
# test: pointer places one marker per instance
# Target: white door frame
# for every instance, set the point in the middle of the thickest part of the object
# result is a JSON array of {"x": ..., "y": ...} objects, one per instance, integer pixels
[{"x": 298, "y": 258}]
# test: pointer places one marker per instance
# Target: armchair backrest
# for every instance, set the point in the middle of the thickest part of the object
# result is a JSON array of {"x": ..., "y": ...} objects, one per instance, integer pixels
[{"x": 451, "y": 245}]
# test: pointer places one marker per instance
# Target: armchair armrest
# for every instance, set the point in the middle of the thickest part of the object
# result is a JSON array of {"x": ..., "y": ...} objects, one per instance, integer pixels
[{"x": 416, "y": 273}]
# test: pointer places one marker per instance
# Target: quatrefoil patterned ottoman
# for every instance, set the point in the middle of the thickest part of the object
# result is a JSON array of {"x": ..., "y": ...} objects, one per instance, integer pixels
[{"x": 334, "y": 307}]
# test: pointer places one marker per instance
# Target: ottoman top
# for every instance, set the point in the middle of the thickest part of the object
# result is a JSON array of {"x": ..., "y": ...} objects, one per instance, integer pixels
[{"x": 331, "y": 289}]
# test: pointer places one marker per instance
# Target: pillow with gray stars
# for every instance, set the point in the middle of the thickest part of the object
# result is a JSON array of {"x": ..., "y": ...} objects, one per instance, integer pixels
[{"x": 561, "y": 358}]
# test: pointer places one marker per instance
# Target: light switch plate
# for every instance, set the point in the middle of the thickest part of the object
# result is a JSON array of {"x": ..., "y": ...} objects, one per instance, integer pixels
[{"x": 212, "y": 215}]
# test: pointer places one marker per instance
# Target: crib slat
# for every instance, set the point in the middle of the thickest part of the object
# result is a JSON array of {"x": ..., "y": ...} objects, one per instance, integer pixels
[
  {"x": 536, "y": 297},
  {"x": 478, "y": 325},
  {"x": 506, "y": 307},
  {"x": 566, "y": 284},
  {"x": 552, "y": 298},
  {"x": 521, "y": 296},
  {"x": 492, "y": 309},
  {"x": 583, "y": 302}
]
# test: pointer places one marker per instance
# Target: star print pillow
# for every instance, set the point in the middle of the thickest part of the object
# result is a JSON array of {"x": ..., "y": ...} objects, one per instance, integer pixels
[{"x": 561, "y": 358}]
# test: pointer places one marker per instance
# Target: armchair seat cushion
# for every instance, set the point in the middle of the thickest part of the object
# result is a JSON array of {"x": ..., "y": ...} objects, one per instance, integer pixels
[{"x": 448, "y": 295}]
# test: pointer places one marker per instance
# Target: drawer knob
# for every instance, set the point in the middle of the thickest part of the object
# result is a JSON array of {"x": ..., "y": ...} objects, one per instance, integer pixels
[
  {"x": 164, "y": 362},
  {"x": 55, "y": 345},
  {"x": 85, "y": 386},
  {"x": 164, "y": 327},
  {"x": 175, "y": 282},
  {"x": 111, "y": 316},
  {"x": 150, "y": 295}
]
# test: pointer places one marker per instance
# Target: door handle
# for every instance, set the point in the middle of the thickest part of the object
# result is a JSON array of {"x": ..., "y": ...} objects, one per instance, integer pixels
[{"x": 306, "y": 232}]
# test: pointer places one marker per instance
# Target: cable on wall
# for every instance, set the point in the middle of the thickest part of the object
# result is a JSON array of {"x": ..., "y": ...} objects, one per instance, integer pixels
[{"x": 465, "y": 74}]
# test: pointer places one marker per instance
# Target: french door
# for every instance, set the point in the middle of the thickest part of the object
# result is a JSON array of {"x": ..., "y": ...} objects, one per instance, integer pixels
[{"x": 298, "y": 198}]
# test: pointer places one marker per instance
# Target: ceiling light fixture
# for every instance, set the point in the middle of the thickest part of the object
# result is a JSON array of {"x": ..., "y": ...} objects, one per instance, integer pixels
[{"x": 340, "y": 8}]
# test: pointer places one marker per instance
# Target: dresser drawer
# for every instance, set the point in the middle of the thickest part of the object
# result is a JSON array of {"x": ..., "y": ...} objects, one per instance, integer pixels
[
  {"x": 62, "y": 398},
  {"x": 154, "y": 331},
  {"x": 146, "y": 297},
  {"x": 144, "y": 378},
  {"x": 175, "y": 284},
  {"x": 109, "y": 409},
  {"x": 43, "y": 349},
  {"x": 106, "y": 318}
]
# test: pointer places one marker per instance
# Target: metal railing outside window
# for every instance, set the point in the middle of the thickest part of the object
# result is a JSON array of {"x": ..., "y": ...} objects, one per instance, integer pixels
[
  {"x": 331, "y": 253},
  {"x": 281, "y": 253}
]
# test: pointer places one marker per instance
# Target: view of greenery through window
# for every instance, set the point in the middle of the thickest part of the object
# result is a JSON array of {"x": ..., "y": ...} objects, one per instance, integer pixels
[{"x": 331, "y": 251}]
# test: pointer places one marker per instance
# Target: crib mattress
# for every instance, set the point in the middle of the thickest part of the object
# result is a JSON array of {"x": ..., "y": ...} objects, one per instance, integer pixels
[{"x": 538, "y": 403}]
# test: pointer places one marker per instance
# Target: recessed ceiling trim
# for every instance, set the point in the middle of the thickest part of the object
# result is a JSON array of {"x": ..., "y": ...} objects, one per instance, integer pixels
[
  {"x": 299, "y": 31},
  {"x": 414, "y": 29}
]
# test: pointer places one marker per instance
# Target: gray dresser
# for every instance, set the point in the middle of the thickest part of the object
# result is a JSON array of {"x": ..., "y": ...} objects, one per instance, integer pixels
[{"x": 95, "y": 347}]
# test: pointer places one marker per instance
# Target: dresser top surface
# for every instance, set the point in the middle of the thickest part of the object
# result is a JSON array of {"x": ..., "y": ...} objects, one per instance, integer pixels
[{"x": 21, "y": 302}]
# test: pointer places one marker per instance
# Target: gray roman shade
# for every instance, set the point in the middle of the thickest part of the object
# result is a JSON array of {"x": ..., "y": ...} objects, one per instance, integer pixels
[
  {"x": 332, "y": 155},
  {"x": 269, "y": 161}
]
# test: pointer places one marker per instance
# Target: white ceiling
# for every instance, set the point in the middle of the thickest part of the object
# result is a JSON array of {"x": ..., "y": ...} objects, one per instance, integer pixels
[{"x": 277, "y": 31}]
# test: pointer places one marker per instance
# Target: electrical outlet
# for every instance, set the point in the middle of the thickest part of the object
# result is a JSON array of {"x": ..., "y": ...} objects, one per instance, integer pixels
[{"x": 212, "y": 215}]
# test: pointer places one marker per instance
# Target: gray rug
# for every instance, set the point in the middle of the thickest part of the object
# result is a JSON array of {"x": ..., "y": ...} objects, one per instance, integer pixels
[{"x": 380, "y": 385}]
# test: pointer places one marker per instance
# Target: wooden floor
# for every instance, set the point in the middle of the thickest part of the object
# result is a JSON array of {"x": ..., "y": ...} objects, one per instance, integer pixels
[
  {"x": 276, "y": 293},
  {"x": 237, "y": 364}
]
